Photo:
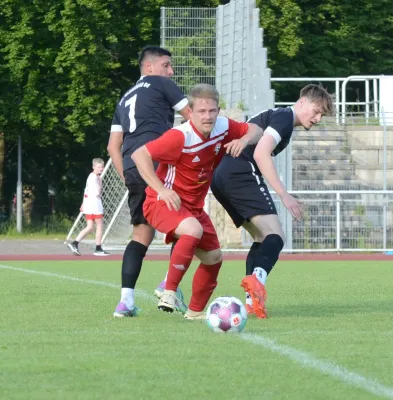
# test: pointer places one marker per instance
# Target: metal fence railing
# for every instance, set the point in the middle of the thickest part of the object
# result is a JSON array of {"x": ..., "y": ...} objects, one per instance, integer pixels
[
  {"x": 334, "y": 221},
  {"x": 343, "y": 157},
  {"x": 190, "y": 34}
]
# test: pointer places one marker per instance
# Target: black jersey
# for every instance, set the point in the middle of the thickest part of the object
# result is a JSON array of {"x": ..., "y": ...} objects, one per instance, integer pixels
[
  {"x": 145, "y": 112},
  {"x": 277, "y": 122}
]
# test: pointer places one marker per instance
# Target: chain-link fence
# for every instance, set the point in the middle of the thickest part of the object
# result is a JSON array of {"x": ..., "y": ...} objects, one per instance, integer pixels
[
  {"x": 221, "y": 46},
  {"x": 190, "y": 34},
  {"x": 333, "y": 221}
]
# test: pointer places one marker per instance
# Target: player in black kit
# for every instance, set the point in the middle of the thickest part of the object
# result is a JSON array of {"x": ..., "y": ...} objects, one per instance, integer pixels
[
  {"x": 238, "y": 184},
  {"x": 143, "y": 114}
]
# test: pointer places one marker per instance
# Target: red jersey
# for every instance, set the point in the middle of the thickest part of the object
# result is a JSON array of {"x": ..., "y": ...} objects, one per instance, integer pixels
[{"x": 187, "y": 159}]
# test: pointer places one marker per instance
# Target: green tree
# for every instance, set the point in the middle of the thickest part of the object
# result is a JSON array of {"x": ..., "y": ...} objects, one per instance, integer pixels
[
  {"x": 328, "y": 39},
  {"x": 65, "y": 63},
  {"x": 63, "y": 67}
]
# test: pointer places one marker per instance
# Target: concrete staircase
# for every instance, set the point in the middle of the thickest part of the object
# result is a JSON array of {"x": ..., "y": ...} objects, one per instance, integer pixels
[
  {"x": 322, "y": 160},
  {"x": 340, "y": 158}
]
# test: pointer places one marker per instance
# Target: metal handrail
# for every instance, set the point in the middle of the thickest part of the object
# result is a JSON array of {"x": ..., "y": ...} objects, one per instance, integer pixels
[
  {"x": 342, "y": 104},
  {"x": 367, "y": 78}
]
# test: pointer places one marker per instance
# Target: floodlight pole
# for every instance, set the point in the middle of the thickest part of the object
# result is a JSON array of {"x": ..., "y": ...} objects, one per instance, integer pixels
[{"x": 19, "y": 195}]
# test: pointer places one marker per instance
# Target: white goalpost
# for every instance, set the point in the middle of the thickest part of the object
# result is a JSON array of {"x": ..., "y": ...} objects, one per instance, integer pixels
[
  {"x": 114, "y": 200},
  {"x": 117, "y": 226}
]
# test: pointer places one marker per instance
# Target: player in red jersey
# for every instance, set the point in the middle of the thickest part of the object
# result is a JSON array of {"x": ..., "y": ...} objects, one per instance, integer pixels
[{"x": 175, "y": 196}]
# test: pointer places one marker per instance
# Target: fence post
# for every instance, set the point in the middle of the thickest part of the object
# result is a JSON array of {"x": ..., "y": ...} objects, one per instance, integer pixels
[
  {"x": 163, "y": 25},
  {"x": 338, "y": 222},
  {"x": 385, "y": 140},
  {"x": 19, "y": 189},
  {"x": 337, "y": 94},
  {"x": 384, "y": 223},
  {"x": 232, "y": 39},
  {"x": 219, "y": 47},
  {"x": 288, "y": 184},
  {"x": 375, "y": 95},
  {"x": 367, "y": 90}
]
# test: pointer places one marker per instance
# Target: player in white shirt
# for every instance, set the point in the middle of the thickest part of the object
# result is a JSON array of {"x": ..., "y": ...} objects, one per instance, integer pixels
[{"x": 92, "y": 209}]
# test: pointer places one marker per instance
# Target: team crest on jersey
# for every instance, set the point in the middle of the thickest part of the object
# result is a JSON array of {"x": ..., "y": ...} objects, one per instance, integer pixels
[{"x": 217, "y": 148}]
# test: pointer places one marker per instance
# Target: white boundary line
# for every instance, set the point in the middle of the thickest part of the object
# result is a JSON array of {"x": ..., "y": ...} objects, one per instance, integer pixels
[
  {"x": 138, "y": 292},
  {"x": 302, "y": 358},
  {"x": 325, "y": 367}
]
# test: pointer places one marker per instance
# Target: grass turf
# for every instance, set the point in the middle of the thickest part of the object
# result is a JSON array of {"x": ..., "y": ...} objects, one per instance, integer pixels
[{"x": 58, "y": 339}]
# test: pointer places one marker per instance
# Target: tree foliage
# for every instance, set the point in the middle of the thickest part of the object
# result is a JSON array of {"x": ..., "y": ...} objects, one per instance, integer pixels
[
  {"x": 333, "y": 38},
  {"x": 65, "y": 63}
]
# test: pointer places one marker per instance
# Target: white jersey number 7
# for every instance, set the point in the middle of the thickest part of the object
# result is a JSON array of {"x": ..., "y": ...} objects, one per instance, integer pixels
[{"x": 131, "y": 102}]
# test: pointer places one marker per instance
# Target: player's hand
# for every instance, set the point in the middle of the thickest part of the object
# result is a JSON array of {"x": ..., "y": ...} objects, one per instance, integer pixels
[
  {"x": 171, "y": 198},
  {"x": 235, "y": 147},
  {"x": 81, "y": 208},
  {"x": 293, "y": 206}
]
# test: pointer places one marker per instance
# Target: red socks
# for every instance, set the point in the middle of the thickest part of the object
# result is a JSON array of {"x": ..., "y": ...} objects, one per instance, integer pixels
[
  {"x": 181, "y": 259},
  {"x": 205, "y": 281}
]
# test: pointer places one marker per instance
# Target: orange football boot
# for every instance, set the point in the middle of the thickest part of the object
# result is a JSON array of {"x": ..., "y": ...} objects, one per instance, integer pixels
[{"x": 257, "y": 291}]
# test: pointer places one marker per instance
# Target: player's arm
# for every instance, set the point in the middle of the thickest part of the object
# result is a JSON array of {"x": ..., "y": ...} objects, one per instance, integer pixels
[
  {"x": 176, "y": 98},
  {"x": 115, "y": 143},
  {"x": 247, "y": 133},
  {"x": 144, "y": 162},
  {"x": 166, "y": 149},
  {"x": 263, "y": 158},
  {"x": 185, "y": 112}
]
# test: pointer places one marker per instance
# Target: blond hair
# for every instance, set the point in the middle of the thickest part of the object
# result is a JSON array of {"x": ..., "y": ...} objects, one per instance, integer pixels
[
  {"x": 203, "y": 91},
  {"x": 98, "y": 161},
  {"x": 319, "y": 95}
]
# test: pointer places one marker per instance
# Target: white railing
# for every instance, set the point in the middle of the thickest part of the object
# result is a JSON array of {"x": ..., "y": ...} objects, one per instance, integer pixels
[
  {"x": 340, "y": 93},
  {"x": 334, "y": 221},
  {"x": 367, "y": 79}
]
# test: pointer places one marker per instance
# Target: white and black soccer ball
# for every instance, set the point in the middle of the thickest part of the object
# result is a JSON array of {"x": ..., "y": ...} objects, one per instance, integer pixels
[{"x": 226, "y": 314}]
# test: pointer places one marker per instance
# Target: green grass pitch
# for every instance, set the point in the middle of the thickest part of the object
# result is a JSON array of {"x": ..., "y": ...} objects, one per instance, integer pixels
[{"x": 329, "y": 335}]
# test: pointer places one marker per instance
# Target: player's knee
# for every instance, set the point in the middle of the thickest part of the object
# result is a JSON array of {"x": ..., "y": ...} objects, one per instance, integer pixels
[
  {"x": 196, "y": 230},
  {"x": 135, "y": 247},
  {"x": 217, "y": 256},
  {"x": 280, "y": 237},
  {"x": 90, "y": 228},
  {"x": 191, "y": 227},
  {"x": 213, "y": 257},
  {"x": 275, "y": 242},
  {"x": 143, "y": 234}
]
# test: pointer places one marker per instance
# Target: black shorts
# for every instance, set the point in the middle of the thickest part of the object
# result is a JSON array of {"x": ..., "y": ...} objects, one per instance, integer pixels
[
  {"x": 136, "y": 195},
  {"x": 241, "y": 190}
]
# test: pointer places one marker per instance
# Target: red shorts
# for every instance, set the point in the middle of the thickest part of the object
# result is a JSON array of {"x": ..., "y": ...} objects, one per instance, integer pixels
[
  {"x": 159, "y": 217},
  {"x": 93, "y": 216}
]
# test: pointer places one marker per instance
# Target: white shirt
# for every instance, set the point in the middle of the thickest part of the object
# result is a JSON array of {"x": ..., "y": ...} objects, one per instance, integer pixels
[{"x": 92, "y": 203}]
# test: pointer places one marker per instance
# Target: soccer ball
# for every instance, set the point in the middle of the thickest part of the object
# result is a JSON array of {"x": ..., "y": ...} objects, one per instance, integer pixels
[{"x": 226, "y": 314}]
